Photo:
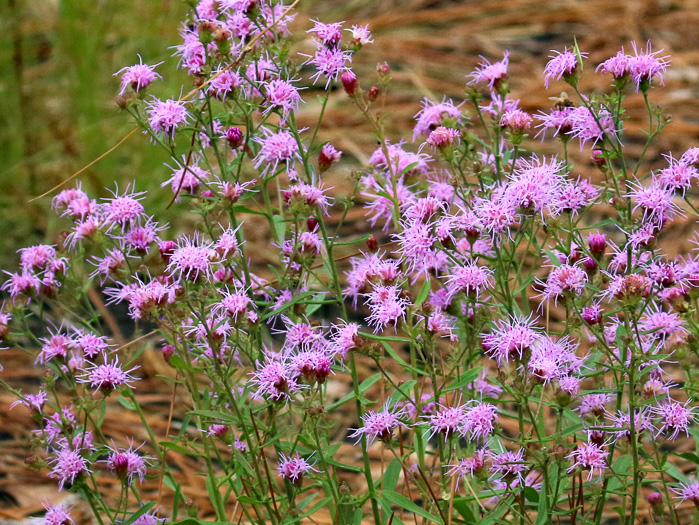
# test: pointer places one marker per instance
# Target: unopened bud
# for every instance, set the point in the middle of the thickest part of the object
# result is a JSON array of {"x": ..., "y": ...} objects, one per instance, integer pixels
[
  {"x": 372, "y": 244},
  {"x": 373, "y": 93},
  {"x": 350, "y": 83}
]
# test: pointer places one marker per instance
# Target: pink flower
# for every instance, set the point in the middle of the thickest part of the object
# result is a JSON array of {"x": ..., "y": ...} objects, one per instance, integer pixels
[
  {"x": 564, "y": 279},
  {"x": 387, "y": 306},
  {"x": 165, "y": 117},
  {"x": 589, "y": 456},
  {"x": 433, "y": 114},
  {"x": 345, "y": 338},
  {"x": 124, "y": 210},
  {"x": 138, "y": 76},
  {"x": 645, "y": 64},
  {"x": 516, "y": 120},
  {"x": 223, "y": 82},
  {"x": 618, "y": 65},
  {"x": 510, "y": 338},
  {"x": 329, "y": 34},
  {"x": 562, "y": 66},
  {"x": 594, "y": 403},
  {"x": 674, "y": 417},
  {"x": 108, "y": 376},
  {"x": 379, "y": 424},
  {"x": 293, "y": 468},
  {"x": 447, "y": 421},
  {"x": 492, "y": 74},
  {"x": 273, "y": 379},
  {"x": 282, "y": 95},
  {"x": 127, "y": 464},
  {"x": 56, "y": 515},
  {"x": 470, "y": 279},
  {"x": 480, "y": 420},
  {"x": 329, "y": 63},
  {"x": 678, "y": 176},
  {"x": 510, "y": 465},
  {"x": 276, "y": 147},
  {"x": 469, "y": 466},
  {"x": 655, "y": 201},
  {"x": 67, "y": 465},
  {"x": 361, "y": 35},
  {"x": 688, "y": 491},
  {"x": 442, "y": 137},
  {"x": 192, "y": 259}
]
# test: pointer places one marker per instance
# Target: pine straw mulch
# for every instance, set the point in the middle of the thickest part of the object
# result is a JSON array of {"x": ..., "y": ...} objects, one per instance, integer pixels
[{"x": 430, "y": 46}]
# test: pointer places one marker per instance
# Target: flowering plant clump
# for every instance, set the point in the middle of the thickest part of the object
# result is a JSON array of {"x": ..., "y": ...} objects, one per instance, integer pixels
[{"x": 520, "y": 345}]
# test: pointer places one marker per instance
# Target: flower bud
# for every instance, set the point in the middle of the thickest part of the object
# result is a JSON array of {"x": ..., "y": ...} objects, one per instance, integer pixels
[
  {"x": 373, "y": 93},
  {"x": 234, "y": 137},
  {"x": 372, "y": 244},
  {"x": 311, "y": 224},
  {"x": 350, "y": 83},
  {"x": 655, "y": 499},
  {"x": 166, "y": 248},
  {"x": 598, "y": 244},
  {"x": 168, "y": 351}
]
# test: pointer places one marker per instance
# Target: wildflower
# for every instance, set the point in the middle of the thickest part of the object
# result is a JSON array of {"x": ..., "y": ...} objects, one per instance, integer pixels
[
  {"x": 675, "y": 417},
  {"x": 108, "y": 376},
  {"x": 329, "y": 63},
  {"x": 655, "y": 201},
  {"x": 191, "y": 259},
  {"x": 138, "y": 76},
  {"x": 645, "y": 64},
  {"x": 345, "y": 338},
  {"x": 379, "y": 424},
  {"x": 588, "y": 126},
  {"x": 469, "y": 466},
  {"x": 273, "y": 379},
  {"x": 361, "y": 35},
  {"x": 564, "y": 279},
  {"x": 434, "y": 114},
  {"x": 493, "y": 74},
  {"x": 447, "y": 421},
  {"x": 55, "y": 515},
  {"x": 594, "y": 403},
  {"x": 618, "y": 65},
  {"x": 662, "y": 325},
  {"x": 55, "y": 346},
  {"x": 387, "y": 306},
  {"x": 67, "y": 465},
  {"x": 223, "y": 82},
  {"x": 124, "y": 210},
  {"x": 510, "y": 338},
  {"x": 592, "y": 314},
  {"x": 127, "y": 464},
  {"x": 313, "y": 365},
  {"x": 480, "y": 420},
  {"x": 293, "y": 468},
  {"x": 34, "y": 402},
  {"x": 329, "y": 34},
  {"x": 283, "y": 95},
  {"x": 622, "y": 419},
  {"x": 166, "y": 117},
  {"x": 516, "y": 120},
  {"x": 589, "y": 456},
  {"x": 89, "y": 344},
  {"x": 276, "y": 147},
  {"x": 563, "y": 66},
  {"x": 688, "y": 491},
  {"x": 510, "y": 465},
  {"x": 470, "y": 279},
  {"x": 678, "y": 176}
]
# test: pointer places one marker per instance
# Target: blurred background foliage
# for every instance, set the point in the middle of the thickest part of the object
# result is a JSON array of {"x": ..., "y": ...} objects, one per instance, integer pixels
[{"x": 57, "y": 110}]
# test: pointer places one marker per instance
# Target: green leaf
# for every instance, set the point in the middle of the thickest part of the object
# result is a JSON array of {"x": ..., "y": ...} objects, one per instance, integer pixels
[
  {"x": 315, "y": 508},
  {"x": 353, "y": 241},
  {"x": 393, "y": 338},
  {"x": 126, "y": 403},
  {"x": 398, "y": 359},
  {"x": 424, "y": 292},
  {"x": 390, "y": 477},
  {"x": 675, "y": 473},
  {"x": 180, "y": 449},
  {"x": 239, "y": 208},
  {"x": 140, "y": 512},
  {"x": 466, "y": 379},
  {"x": 404, "y": 503},
  {"x": 279, "y": 224}
]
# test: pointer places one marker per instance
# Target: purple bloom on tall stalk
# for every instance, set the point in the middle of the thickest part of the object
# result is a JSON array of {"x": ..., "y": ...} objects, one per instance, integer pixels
[
  {"x": 293, "y": 468},
  {"x": 55, "y": 515},
  {"x": 562, "y": 66},
  {"x": 492, "y": 74},
  {"x": 645, "y": 64},
  {"x": 511, "y": 338},
  {"x": 379, "y": 425},
  {"x": 433, "y": 114},
  {"x": 276, "y": 147},
  {"x": 138, "y": 76},
  {"x": 589, "y": 456},
  {"x": 167, "y": 116}
]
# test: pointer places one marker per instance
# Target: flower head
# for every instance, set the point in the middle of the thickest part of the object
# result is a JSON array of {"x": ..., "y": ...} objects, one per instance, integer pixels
[
  {"x": 138, "y": 76},
  {"x": 166, "y": 116},
  {"x": 491, "y": 74},
  {"x": 379, "y": 424},
  {"x": 562, "y": 66},
  {"x": 589, "y": 456},
  {"x": 293, "y": 468}
]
